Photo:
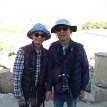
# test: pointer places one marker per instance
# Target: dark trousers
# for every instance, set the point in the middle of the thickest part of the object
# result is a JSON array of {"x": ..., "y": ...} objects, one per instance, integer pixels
[
  {"x": 33, "y": 103},
  {"x": 37, "y": 97},
  {"x": 27, "y": 105}
]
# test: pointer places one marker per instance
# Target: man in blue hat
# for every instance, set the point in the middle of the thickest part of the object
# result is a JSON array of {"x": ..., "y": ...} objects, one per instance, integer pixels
[
  {"x": 68, "y": 68},
  {"x": 29, "y": 70}
]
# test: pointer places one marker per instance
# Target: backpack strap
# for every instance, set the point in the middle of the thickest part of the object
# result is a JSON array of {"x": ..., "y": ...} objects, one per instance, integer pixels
[
  {"x": 46, "y": 52},
  {"x": 26, "y": 49}
]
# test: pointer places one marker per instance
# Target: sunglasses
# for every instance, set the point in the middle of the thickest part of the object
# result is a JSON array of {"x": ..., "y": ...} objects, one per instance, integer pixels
[
  {"x": 64, "y": 28},
  {"x": 38, "y": 34}
]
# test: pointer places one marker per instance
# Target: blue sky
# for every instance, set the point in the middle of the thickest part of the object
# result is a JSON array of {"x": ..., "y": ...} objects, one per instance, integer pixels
[{"x": 48, "y": 11}]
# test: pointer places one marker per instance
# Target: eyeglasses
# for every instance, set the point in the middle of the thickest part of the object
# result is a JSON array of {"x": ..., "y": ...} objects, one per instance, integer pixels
[
  {"x": 38, "y": 34},
  {"x": 64, "y": 28}
]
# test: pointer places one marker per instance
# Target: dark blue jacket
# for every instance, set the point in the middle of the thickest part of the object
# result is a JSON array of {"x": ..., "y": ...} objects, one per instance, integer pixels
[{"x": 76, "y": 58}]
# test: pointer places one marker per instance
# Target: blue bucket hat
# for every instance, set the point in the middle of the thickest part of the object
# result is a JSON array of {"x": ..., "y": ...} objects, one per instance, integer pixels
[{"x": 39, "y": 27}]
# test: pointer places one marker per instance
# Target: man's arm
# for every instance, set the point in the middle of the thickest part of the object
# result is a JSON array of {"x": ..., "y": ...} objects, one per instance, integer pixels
[{"x": 17, "y": 75}]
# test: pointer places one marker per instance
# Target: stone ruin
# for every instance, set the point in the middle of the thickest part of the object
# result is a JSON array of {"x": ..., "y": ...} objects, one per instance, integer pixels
[{"x": 99, "y": 84}]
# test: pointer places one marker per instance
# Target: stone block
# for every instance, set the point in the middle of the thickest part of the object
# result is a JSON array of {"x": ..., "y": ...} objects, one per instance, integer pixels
[
  {"x": 6, "y": 84},
  {"x": 100, "y": 94}
]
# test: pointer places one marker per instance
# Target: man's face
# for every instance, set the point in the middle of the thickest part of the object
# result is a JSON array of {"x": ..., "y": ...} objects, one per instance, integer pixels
[
  {"x": 38, "y": 37},
  {"x": 63, "y": 32}
]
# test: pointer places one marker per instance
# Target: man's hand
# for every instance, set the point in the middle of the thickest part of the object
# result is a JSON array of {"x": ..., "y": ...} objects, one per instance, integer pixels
[
  {"x": 48, "y": 96},
  {"x": 23, "y": 104},
  {"x": 81, "y": 95}
]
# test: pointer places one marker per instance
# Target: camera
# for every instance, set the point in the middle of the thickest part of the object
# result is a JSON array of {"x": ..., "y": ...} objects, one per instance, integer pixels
[{"x": 65, "y": 82}]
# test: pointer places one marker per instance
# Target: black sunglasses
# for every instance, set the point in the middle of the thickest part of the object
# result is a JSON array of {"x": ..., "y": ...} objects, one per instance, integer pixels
[
  {"x": 38, "y": 34},
  {"x": 64, "y": 28}
]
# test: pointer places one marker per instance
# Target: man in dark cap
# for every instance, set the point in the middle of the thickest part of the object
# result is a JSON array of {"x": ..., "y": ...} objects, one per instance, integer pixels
[{"x": 68, "y": 68}]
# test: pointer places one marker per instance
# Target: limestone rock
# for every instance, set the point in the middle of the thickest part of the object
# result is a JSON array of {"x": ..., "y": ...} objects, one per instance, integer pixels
[
  {"x": 102, "y": 83},
  {"x": 100, "y": 94},
  {"x": 6, "y": 84}
]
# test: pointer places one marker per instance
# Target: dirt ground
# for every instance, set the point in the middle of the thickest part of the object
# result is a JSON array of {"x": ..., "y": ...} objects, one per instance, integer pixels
[
  {"x": 8, "y": 100},
  {"x": 81, "y": 104}
]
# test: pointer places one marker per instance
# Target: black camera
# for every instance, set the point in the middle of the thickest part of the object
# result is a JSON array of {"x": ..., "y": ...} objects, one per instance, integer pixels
[{"x": 65, "y": 83}]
